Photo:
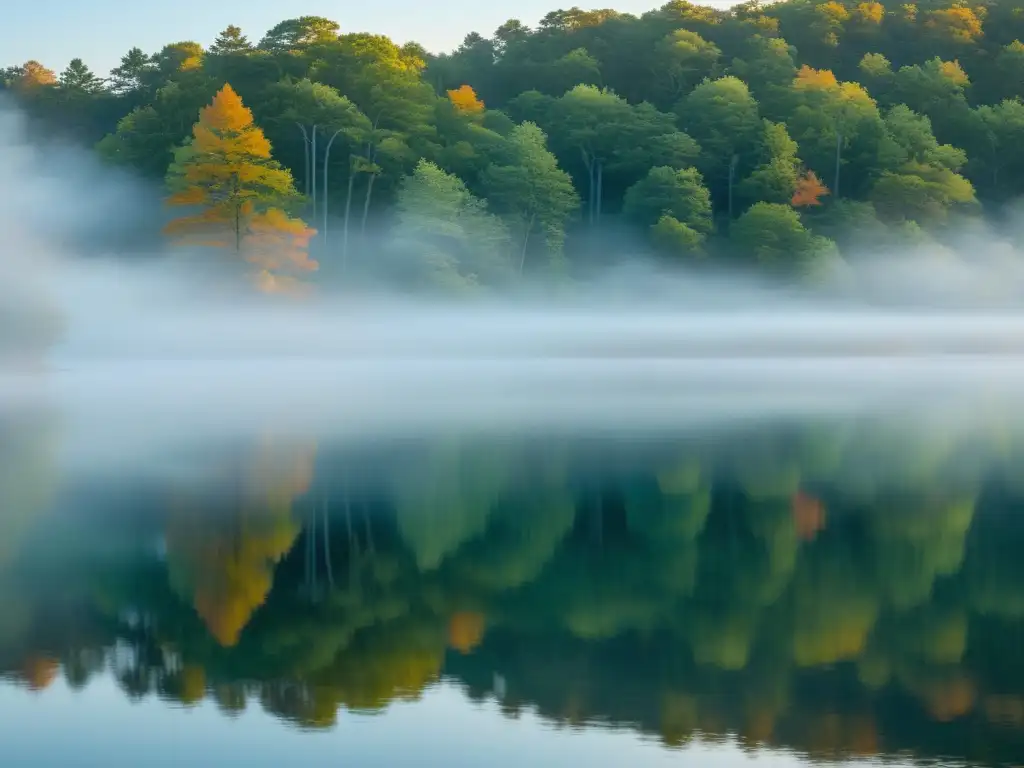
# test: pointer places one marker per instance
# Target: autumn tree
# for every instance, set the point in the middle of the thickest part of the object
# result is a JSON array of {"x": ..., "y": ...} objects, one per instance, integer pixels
[
  {"x": 809, "y": 191},
  {"x": 227, "y": 174},
  {"x": 32, "y": 75},
  {"x": 465, "y": 100},
  {"x": 225, "y": 566}
]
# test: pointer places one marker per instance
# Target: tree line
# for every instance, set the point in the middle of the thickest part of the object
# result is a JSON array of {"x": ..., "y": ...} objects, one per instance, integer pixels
[{"x": 782, "y": 136}]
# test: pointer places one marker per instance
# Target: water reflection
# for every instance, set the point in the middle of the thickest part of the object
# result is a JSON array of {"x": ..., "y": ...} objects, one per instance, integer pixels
[{"x": 835, "y": 589}]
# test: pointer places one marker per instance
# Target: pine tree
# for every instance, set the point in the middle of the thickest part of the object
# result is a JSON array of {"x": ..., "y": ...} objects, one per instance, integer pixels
[
  {"x": 226, "y": 173},
  {"x": 78, "y": 78},
  {"x": 230, "y": 41}
]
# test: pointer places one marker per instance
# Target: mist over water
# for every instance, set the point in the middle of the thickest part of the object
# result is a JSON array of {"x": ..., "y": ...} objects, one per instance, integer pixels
[{"x": 157, "y": 348}]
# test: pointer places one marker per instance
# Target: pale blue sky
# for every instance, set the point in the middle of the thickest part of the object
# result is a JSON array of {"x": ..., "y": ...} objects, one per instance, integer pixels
[
  {"x": 100, "y": 31},
  {"x": 100, "y": 726}
]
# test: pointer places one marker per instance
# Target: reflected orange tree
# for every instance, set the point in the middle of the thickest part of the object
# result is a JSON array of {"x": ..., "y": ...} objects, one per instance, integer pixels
[{"x": 222, "y": 555}]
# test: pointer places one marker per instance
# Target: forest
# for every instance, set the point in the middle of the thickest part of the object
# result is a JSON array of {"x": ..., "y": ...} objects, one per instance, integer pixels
[
  {"x": 837, "y": 588},
  {"x": 779, "y": 137}
]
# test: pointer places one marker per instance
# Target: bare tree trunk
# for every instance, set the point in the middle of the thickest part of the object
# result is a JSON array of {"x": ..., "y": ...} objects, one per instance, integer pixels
[
  {"x": 588, "y": 163},
  {"x": 366, "y": 203},
  {"x": 327, "y": 546},
  {"x": 600, "y": 190},
  {"x": 526, "y": 240},
  {"x": 312, "y": 173},
  {"x": 369, "y": 529},
  {"x": 732, "y": 178},
  {"x": 839, "y": 151},
  {"x": 348, "y": 210},
  {"x": 238, "y": 215},
  {"x": 995, "y": 166}
]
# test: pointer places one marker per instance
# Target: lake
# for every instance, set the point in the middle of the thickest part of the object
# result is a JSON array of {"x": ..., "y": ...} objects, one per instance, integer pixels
[{"x": 781, "y": 591}]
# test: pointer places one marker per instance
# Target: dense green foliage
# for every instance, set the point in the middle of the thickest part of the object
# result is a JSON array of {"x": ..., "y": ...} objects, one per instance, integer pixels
[
  {"x": 759, "y": 134},
  {"x": 850, "y": 587}
]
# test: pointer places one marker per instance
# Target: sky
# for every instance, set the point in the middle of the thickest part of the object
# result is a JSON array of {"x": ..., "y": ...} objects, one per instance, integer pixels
[
  {"x": 101, "y": 726},
  {"x": 100, "y": 31}
]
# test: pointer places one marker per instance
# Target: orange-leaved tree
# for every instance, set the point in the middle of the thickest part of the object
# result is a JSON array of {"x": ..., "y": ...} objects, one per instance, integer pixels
[
  {"x": 225, "y": 565},
  {"x": 238, "y": 194},
  {"x": 809, "y": 191},
  {"x": 276, "y": 245},
  {"x": 465, "y": 100}
]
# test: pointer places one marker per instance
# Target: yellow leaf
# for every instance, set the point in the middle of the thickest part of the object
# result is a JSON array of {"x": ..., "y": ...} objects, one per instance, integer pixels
[
  {"x": 815, "y": 79},
  {"x": 465, "y": 100}
]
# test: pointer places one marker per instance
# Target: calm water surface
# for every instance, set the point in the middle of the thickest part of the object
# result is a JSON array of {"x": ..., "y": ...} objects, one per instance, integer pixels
[{"x": 775, "y": 593}]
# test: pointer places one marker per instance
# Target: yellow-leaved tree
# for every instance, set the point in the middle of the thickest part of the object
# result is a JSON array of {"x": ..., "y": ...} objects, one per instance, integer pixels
[
  {"x": 224, "y": 563},
  {"x": 465, "y": 100},
  {"x": 238, "y": 195}
]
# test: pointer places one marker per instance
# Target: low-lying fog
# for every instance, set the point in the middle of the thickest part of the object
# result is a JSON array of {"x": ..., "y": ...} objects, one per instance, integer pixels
[{"x": 154, "y": 351}]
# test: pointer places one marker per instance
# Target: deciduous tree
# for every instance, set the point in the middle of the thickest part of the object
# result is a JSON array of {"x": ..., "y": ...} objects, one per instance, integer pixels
[
  {"x": 226, "y": 172},
  {"x": 529, "y": 189}
]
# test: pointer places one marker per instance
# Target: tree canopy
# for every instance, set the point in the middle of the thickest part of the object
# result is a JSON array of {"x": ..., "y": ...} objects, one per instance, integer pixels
[{"x": 909, "y": 116}]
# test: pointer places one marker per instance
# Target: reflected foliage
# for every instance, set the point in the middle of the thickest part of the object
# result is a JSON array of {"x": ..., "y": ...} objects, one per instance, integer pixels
[{"x": 837, "y": 589}]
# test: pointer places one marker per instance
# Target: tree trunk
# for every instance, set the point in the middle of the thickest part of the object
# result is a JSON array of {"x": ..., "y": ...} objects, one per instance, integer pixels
[
  {"x": 839, "y": 154},
  {"x": 366, "y": 203},
  {"x": 588, "y": 163},
  {"x": 348, "y": 210},
  {"x": 238, "y": 215},
  {"x": 327, "y": 545},
  {"x": 526, "y": 241},
  {"x": 995, "y": 167},
  {"x": 312, "y": 173},
  {"x": 600, "y": 190},
  {"x": 732, "y": 178}
]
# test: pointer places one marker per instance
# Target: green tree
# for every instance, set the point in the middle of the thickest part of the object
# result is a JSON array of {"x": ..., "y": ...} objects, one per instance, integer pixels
[
  {"x": 774, "y": 236},
  {"x": 679, "y": 195},
  {"x": 176, "y": 58},
  {"x": 921, "y": 193},
  {"x": 589, "y": 123},
  {"x": 294, "y": 35},
  {"x": 723, "y": 117},
  {"x": 78, "y": 78},
  {"x": 682, "y": 60},
  {"x": 531, "y": 192},
  {"x": 446, "y": 236},
  {"x": 141, "y": 142},
  {"x": 775, "y": 179},
  {"x": 287, "y": 104},
  {"x": 574, "y": 68},
  {"x": 997, "y": 151},
  {"x": 230, "y": 42},
  {"x": 133, "y": 74}
]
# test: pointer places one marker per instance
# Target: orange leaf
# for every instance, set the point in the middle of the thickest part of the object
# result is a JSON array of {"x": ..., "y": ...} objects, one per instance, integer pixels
[
  {"x": 809, "y": 191},
  {"x": 465, "y": 100}
]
